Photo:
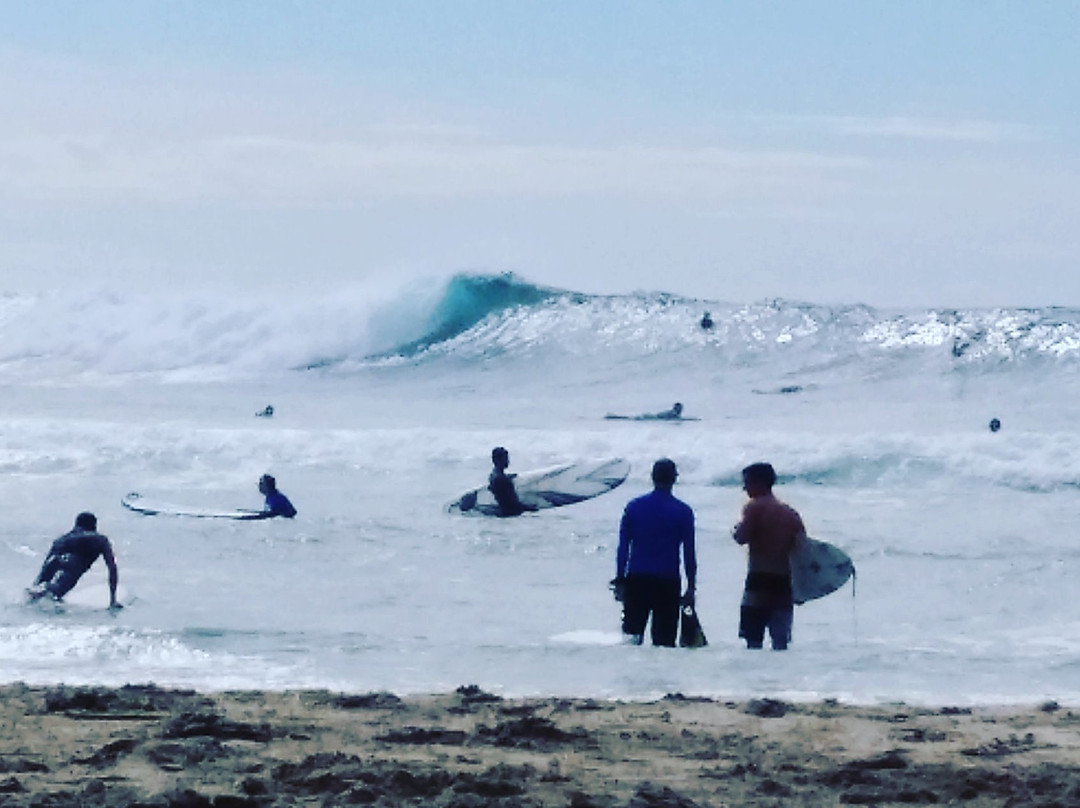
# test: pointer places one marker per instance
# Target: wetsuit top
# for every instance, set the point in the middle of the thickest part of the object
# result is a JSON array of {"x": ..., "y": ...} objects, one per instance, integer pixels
[
  {"x": 75, "y": 552},
  {"x": 501, "y": 486},
  {"x": 653, "y": 528},
  {"x": 277, "y": 504}
]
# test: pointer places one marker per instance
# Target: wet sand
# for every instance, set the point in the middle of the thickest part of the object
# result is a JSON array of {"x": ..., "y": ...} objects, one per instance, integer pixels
[{"x": 147, "y": 746}]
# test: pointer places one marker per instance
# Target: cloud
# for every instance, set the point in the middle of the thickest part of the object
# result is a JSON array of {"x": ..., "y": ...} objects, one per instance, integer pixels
[
  {"x": 89, "y": 134},
  {"x": 902, "y": 127},
  {"x": 268, "y": 169},
  {"x": 959, "y": 131}
]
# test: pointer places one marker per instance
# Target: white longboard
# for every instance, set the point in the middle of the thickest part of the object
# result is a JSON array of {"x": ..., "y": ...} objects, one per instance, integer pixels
[
  {"x": 86, "y": 597},
  {"x": 153, "y": 507},
  {"x": 817, "y": 569},
  {"x": 551, "y": 487}
]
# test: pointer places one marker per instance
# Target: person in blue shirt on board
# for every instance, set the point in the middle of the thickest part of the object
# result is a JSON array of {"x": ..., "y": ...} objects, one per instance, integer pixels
[
  {"x": 277, "y": 504},
  {"x": 502, "y": 487},
  {"x": 654, "y": 529},
  {"x": 70, "y": 557}
]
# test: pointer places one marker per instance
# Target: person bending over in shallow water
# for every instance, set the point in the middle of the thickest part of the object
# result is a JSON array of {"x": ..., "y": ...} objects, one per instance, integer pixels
[
  {"x": 501, "y": 485},
  {"x": 277, "y": 504},
  {"x": 70, "y": 557}
]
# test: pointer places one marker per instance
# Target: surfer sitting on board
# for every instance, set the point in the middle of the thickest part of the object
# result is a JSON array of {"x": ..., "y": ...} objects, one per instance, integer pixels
[
  {"x": 653, "y": 529},
  {"x": 501, "y": 485},
  {"x": 277, "y": 504},
  {"x": 770, "y": 530},
  {"x": 72, "y": 555}
]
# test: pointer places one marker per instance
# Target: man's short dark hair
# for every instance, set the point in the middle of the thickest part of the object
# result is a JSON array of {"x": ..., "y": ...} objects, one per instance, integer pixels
[
  {"x": 498, "y": 452},
  {"x": 760, "y": 473},
  {"x": 664, "y": 473},
  {"x": 86, "y": 521}
]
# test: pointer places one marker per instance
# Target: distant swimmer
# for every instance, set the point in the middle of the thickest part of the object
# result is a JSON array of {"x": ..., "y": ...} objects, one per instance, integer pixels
[
  {"x": 277, "y": 504},
  {"x": 995, "y": 424},
  {"x": 70, "y": 557},
  {"x": 706, "y": 322},
  {"x": 501, "y": 485},
  {"x": 674, "y": 414},
  {"x": 268, "y": 412}
]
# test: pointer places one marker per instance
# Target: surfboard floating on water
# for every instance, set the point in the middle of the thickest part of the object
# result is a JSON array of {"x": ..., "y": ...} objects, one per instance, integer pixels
[
  {"x": 817, "y": 569},
  {"x": 551, "y": 487},
  {"x": 151, "y": 507}
]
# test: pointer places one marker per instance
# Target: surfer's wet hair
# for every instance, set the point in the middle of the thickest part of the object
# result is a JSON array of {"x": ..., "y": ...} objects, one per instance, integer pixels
[
  {"x": 760, "y": 473},
  {"x": 86, "y": 521},
  {"x": 498, "y": 453},
  {"x": 269, "y": 482},
  {"x": 664, "y": 473}
]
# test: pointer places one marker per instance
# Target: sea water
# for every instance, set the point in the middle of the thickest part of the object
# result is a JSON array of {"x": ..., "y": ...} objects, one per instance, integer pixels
[{"x": 386, "y": 408}]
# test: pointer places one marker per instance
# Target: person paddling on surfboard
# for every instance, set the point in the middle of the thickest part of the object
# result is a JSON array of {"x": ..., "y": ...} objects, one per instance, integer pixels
[
  {"x": 277, "y": 504},
  {"x": 770, "y": 530},
  {"x": 653, "y": 530},
  {"x": 501, "y": 485},
  {"x": 70, "y": 557},
  {"x": 670, "y": 415}
]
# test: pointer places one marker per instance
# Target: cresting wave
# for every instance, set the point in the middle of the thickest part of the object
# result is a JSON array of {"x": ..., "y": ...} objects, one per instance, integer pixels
[{"x": 483, "y": 317}]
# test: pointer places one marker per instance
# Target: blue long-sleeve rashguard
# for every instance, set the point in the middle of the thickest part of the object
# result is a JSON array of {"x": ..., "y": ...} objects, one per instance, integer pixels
[{"x": 653, "y": 529}]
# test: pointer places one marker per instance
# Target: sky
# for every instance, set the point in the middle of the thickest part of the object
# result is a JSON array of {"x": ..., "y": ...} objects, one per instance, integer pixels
[{"x": 897, "y": 154}]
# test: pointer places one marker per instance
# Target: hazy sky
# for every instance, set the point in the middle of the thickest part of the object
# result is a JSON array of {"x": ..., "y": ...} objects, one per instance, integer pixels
[{"x": 894, "y": 153}]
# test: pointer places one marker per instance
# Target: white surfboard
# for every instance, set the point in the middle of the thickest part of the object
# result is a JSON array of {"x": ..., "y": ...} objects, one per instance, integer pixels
[
  {"x": 817, "y": 569},
  {"x": 551, "y": 487},
  {"x": 85, "y": 596},
  {"x": 149, "y": 506}
]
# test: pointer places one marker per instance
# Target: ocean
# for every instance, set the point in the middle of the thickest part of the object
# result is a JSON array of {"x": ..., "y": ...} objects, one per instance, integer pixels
[{"x": 387, "y": 404}]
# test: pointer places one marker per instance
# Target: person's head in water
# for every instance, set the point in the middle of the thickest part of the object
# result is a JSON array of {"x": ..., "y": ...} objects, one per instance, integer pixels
[
  {"x": 758, "y": 478},
  {"x": 500, "y": 458},
  {"x": 86, "y": 521},
  {"x": 677, "y": 409},
  {"x": 995, "y": 424},
  {"x": 664, "y": 474},
  {"x": 267, "y": 484},
  {"x": 706, "y": 321}
]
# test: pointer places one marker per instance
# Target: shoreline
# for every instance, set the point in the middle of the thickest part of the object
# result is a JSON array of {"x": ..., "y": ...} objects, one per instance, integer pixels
[{"x": 150, "y": 746}]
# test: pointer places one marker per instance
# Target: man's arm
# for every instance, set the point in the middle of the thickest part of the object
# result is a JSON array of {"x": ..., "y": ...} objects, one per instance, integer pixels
[
  {"x": 690, "y": 559},
  {"x": 622, "y": 555},
  {"x": 114, "y": 574},
  {"x": 745, "y": 529}
]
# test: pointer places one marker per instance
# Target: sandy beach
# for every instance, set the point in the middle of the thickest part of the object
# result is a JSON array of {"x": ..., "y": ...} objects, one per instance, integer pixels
[{"x": 148, "y": 746}]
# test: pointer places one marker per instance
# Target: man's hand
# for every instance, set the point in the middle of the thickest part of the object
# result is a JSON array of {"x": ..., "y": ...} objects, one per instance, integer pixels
[{"x": 617, "y": 585}]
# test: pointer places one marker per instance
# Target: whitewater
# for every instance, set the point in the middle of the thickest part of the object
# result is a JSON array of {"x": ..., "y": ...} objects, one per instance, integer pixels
[{"x": 387, "y": 404}]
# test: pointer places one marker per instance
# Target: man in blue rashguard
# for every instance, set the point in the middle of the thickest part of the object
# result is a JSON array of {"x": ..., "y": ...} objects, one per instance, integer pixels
[
  {"x": 654, "y": 528},
  {"x": 277, "y": 504}
]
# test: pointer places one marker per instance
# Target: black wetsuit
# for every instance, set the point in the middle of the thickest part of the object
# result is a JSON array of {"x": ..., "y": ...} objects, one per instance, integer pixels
[
  {"x": 277, "y": 504},
  {"x": 502, "y": 487},
  {"x": 69, "y": 557}
]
